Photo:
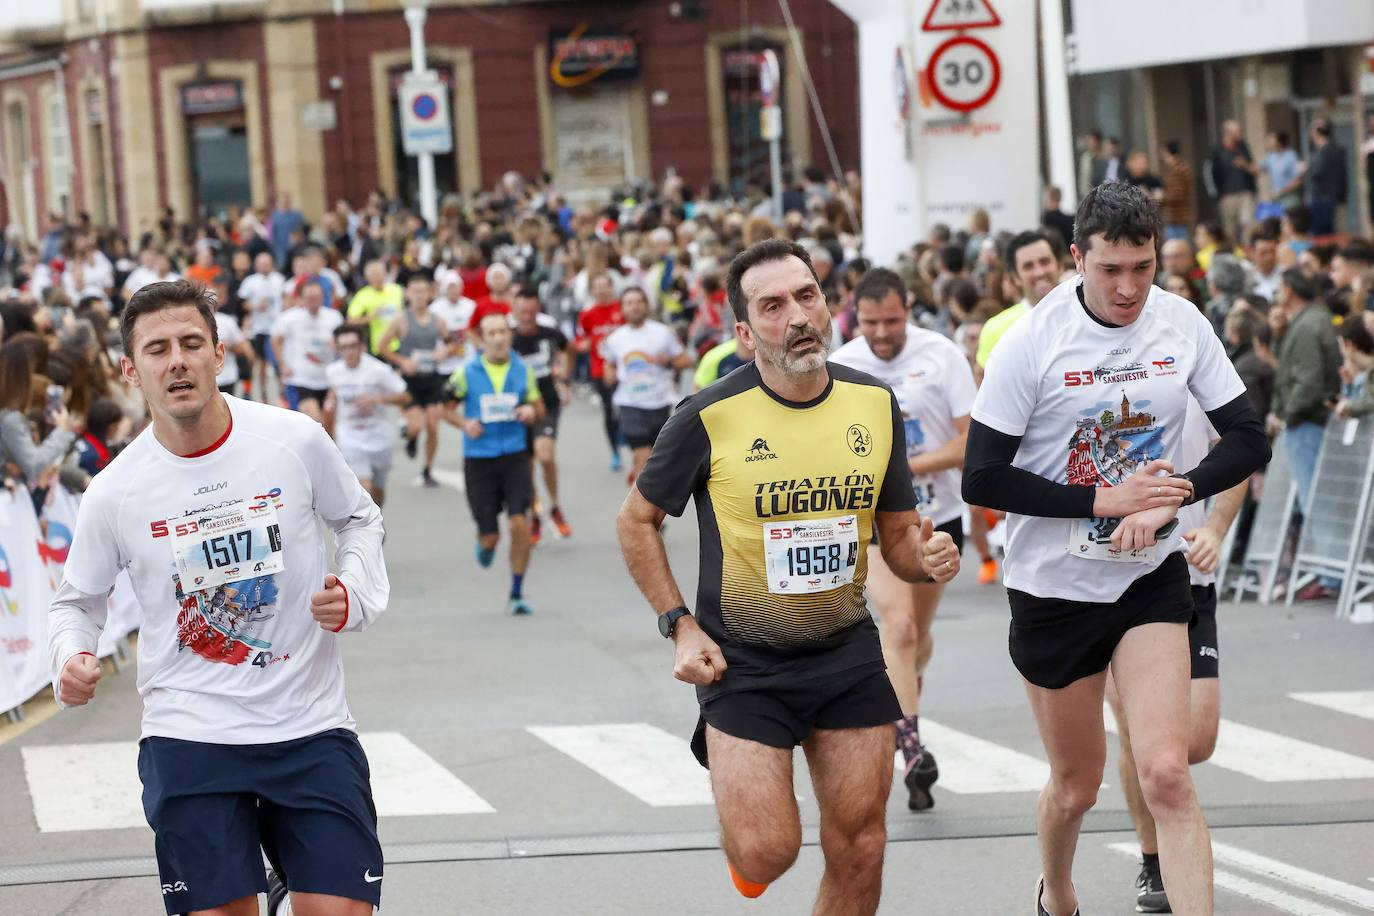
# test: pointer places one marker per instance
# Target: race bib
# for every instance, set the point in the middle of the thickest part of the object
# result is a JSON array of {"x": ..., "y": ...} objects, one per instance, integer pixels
[
  {"x": 1091, "y": 538},
  {"x": 319, "y": 351},
  {"x": 926, "y": 503},
  {"x": 805, "y": 557},
  {"x": 219, "y": 546},
  {"x": 498, "y": 408},
  {"x": 424, "y": 360},
  {"x": 915, "y": 437}
]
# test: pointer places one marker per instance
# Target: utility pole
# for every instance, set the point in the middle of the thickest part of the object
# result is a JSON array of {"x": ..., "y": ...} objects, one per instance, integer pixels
[{"x": 429, "y": 206}]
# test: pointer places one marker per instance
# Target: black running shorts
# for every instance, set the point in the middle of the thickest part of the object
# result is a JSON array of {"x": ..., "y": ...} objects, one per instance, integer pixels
[
  {"x": 641, "y": 427},
  {"x": 496, "y": 485},
  {"x": 783, "y": 716},
  {"x": 547, "y": 427},
  {"x": 427, "y": 388},
  {"x": 1202, "y": 633},
  {"x": 1055, "y": 642}
]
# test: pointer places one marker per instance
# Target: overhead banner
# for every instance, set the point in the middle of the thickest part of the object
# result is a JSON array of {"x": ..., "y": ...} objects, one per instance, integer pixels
[{"x": 976, "y": 130}]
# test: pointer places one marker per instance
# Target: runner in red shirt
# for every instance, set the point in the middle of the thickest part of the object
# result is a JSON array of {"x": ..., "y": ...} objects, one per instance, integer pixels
[{"x": 594, "y": 325}]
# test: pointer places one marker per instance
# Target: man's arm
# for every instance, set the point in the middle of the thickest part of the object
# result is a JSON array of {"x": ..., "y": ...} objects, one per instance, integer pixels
[
  {"x": 949, "y": 455},
  {"x": 913, "y": 550},
  {"x": 356, "y": 521},
  {"x": 1204, "y": 544}
]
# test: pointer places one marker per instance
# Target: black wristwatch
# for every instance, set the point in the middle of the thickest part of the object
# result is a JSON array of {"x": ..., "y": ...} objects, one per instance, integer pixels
[
  {"x": 1192, "y": 497},
  {"x": 667, "y": 622}
]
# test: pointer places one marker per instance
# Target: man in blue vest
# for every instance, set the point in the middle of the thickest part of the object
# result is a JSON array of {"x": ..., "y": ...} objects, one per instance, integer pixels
[{"x": 500, "y": 398}]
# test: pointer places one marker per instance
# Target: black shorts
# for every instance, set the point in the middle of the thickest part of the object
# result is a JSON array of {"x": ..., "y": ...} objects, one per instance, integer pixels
[
  {"x": 216, "y": 808},
  {"x": 784, "y": 716},
  {"x": 641, "y": 427},
  {"x": 1055, "y": 642},
  {"x": 262, "y": 345},
  {"x": 427, "y": 388},
  {"x": 546, "y": 427},
  {"x": 495, "y": 485},
  {"x": 297, "y": 393},
  {"x": 1202, "y": 633}
]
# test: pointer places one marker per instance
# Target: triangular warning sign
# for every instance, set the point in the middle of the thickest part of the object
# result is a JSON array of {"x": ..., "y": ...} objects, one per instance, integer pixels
[{"x": 948, "y": 15}]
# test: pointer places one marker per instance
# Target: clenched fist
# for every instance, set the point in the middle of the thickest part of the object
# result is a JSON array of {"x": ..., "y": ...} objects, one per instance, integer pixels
[
  {"x": 330, "y": 607},
  {"x": 939, "y": 556},
  {"x": 76, "y": 686}
]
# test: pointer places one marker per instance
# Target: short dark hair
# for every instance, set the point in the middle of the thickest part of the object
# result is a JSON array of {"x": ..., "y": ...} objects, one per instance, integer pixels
[
  {"x": 1281, "y": 137},
  {"x": 1354, "y": 332},
  {"x": 1025, "y": 240},
  {"x": 420, "y": 273},
  {"x": 876, "y": 283},
  {"x": 634, "y": 289},
  {"x": 165, "y": 295},
  {"x": 1264, "y": 232},
  {"x": 344, "y": 330},
  {"x": 1303, "y": 286},
  {"x": 1300, "y": 218},
  {"x": 1359, "y": 252},
  {"x": 754, "y": 255},
  {"x": 102, "y": 418},
  {"x": 1173, "y": 148},
  {"x": 964, "y": 292},
  {"x": 526, "y": 291},
  {"x": 1117, "y": 210},
  {"x": 952, "y": 258}
]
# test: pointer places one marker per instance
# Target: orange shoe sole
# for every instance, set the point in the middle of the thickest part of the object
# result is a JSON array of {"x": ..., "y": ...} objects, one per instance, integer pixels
[
  {"x": 987, "y": 573},
  {"x": 748, "y": 889}
]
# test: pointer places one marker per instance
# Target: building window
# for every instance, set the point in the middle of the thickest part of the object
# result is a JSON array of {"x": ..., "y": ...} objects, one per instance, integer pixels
[{"x": 60, "y": 168}]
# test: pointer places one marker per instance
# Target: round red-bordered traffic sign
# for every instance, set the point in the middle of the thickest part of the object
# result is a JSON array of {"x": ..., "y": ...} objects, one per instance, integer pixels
[
  {"x": 424, "y": 106},
  {"x": 932, "y": 71}
]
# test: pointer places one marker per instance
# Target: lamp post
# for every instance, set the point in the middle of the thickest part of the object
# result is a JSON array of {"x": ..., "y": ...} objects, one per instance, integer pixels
[{"x": 415, "y": 18}]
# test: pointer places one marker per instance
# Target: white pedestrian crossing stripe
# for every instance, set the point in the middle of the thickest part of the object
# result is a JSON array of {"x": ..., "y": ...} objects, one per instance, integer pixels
[
  {"x": 1352, "y": 703},
  {"x": 971, "y": 765},
  {"x": 96, "y": 786},
  {"x": 1291, "y": 877},
  {"x": 1271, "y": 757},
  {"x": 654, "y": 766}
]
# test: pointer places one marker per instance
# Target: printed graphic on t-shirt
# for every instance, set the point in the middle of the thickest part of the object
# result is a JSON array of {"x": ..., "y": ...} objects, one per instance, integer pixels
[
  {"x": 224, "y": 623},
  {"x": 1109, "y": 442}
]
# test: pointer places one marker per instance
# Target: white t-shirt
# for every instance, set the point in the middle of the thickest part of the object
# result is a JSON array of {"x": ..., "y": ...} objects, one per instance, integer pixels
[
  {"x": 1090, "y": 403},
  {"x": 308, "y": 342},
  {"x": 456, "y": 317},
  {"x": 934, "y": 386},
  {"x": 368, "y": 430},
  {"x": 640, "y": 382},
  {"x": 142, "y": 276},
  {"x": 258, "y": 288},
  {"x": 244, "y": 662},
  {"x": 231, "y": 336},
  {"x": 1198, "y": 438}
]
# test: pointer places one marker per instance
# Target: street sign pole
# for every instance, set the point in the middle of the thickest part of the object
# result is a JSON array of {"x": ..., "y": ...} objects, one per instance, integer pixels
[
  {"x": 429, "y": 205},
  {"x": 771, "y": 123}
]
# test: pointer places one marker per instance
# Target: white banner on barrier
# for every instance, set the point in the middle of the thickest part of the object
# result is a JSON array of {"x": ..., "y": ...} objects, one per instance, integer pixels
[{"x": 24, "y": 597}]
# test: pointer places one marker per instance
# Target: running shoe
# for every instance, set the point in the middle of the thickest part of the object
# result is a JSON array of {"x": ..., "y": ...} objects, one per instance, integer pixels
[
  {"x": 919, "y": 779},
  {"x": 560, "y": 525},
  {"x": 276, "y": 891},
  {"x": 412, "y": 446},
  {"x": 518, "y": 607},
  {"x": 536, "y": 530},
  {"x": 428, "y": 479},
  {"x": 1040, "y": 906},
  {"x": 1150, "y": 886},
  {"x": 987, "y": 572},
  {"x": 615, "y": 462},
  {"x": 750, "y": 889},
  {"x": 485, "y": 556}
]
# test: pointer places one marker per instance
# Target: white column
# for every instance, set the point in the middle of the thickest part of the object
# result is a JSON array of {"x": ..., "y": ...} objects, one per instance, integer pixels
[{"x": 1058, "y": 124}]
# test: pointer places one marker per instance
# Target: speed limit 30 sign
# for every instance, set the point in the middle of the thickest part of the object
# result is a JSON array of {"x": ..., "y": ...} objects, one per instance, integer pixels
[{"x": 963, "y": 73}]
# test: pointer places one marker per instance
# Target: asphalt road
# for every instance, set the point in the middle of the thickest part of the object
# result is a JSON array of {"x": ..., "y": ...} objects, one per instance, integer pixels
[{"x": 553, "y": 750}]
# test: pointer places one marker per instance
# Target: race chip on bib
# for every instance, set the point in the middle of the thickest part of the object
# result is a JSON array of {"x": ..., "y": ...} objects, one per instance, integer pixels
[
  {"x": 1092, "y": 538},
  {"x": 817, "y": 555},
  {"x": 499, "y": 408},
  {"x": 238, "y": 541}
]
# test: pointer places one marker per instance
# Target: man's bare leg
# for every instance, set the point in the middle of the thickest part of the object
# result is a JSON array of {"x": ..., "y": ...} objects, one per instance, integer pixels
[
  {"x": 851, "y": 771},
  {"x": 760, "y": 828}
]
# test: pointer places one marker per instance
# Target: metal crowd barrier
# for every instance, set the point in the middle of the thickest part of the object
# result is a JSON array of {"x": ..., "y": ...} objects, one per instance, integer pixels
[
  {"x": 1334, "y": 526},
  {"x": 1278, "y": 501}
]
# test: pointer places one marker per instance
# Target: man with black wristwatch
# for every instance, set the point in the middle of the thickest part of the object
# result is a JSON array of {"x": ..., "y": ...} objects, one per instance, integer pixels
[{"x": 795, "y": 465}]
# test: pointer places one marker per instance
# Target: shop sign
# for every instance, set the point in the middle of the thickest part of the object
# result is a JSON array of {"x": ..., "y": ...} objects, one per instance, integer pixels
[
  {"x": 211, "y": 97},
  {"x": 579, "y": 56}
]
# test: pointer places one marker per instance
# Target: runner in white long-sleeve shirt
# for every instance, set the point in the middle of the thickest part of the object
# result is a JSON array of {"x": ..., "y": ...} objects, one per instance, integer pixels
[{"x": 247, "y": 741}]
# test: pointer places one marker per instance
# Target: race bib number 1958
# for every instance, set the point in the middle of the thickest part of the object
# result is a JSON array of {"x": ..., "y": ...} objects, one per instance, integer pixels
[
  {"x": 219, "y": 546},
  {"x": 817, "y": 555}
]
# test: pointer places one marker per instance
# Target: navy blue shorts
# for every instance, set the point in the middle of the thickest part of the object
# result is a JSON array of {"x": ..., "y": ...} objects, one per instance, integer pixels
[{"x": 216, "y": 808}]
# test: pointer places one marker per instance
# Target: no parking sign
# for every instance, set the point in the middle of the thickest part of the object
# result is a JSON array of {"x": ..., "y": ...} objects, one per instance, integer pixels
[{"x": 425, "y": 125}]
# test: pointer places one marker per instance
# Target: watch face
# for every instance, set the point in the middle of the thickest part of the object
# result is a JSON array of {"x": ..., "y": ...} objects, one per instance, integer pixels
[{"x": 665, "y": 626}]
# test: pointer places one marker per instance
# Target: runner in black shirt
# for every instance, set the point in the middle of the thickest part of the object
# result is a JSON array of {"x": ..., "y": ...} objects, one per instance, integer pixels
[{"x": 545, "y": 349}]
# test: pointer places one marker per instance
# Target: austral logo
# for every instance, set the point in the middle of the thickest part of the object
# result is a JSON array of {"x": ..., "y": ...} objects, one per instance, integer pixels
[
  {"x": 760, "y": 451},
  {"x": 860, "y": 440}
]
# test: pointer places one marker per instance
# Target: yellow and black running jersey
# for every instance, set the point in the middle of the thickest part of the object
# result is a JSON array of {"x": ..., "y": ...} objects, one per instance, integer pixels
[{"x": 785, "y": 495}]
